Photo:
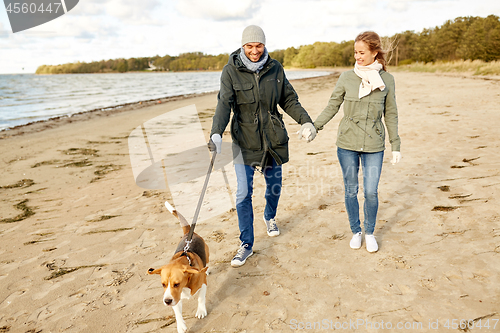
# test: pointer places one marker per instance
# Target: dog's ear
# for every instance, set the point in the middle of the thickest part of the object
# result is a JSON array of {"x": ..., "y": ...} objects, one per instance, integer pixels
[
  {"x": 152, "y": 271},
  {"x": 191, "y": 270}
]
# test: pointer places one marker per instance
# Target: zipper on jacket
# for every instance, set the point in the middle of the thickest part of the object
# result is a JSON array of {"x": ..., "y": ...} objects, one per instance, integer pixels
[
  {"x": 260, "y": 113},
  {"x": 361, "y": 128},
  {"x": 264, "y": 137}
]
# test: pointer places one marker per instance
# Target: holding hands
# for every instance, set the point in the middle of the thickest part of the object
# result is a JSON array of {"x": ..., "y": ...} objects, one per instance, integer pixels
[{"x": 307, "y": 131}]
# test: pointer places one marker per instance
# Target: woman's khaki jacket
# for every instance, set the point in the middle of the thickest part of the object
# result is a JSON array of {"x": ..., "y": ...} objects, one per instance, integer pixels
[{"x": 361, "y": 129}]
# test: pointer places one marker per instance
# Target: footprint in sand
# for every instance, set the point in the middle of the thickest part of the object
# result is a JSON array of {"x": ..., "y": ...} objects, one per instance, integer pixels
[{"x": 9, "y": 299}]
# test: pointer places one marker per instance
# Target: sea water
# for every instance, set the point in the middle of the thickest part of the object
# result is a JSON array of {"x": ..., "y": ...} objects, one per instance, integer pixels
[{"x": 26, "y": 98}]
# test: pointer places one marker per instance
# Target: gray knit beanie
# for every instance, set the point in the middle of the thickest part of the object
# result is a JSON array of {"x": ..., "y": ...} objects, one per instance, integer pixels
[{"x": 253, "y": 34}]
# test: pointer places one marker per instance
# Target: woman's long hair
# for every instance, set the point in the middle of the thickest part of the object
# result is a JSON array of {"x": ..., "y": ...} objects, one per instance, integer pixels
[{"x": 372, "y": 39}]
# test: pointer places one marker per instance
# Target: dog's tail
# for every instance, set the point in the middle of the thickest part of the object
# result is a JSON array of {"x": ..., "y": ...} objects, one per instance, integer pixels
[{"x": 182, "y": 220}]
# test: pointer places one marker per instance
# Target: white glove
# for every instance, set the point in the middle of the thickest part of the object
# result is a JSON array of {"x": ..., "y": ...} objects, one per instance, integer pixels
[
  {"x": 307, "y": 131},
  {"x": 217, "y": 140},
  {"x": 396, "y": 157}
]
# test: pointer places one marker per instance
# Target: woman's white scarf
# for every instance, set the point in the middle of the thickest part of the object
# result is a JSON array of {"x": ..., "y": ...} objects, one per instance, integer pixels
[{"x": 370, "y": 78}]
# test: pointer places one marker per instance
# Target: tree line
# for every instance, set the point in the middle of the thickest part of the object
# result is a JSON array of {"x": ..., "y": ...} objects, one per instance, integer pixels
[
  {"x": 104, "y": 66},
  {"x": 465, "y": 38},
  {"x": 184, "y": 62}
]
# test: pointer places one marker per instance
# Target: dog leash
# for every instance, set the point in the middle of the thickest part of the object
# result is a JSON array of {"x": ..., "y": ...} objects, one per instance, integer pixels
[{"x": 189, "y": 238}]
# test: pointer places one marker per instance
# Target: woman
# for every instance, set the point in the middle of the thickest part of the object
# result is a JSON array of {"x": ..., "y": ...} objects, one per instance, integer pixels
[{"x": 367, "y": 92}]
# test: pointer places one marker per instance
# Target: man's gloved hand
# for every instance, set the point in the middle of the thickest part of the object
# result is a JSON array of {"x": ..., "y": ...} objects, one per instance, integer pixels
[
  {"x": 307, "y": 131},
  {"x": 396, "y": 157},
  {"x": 215, "y": 143}
]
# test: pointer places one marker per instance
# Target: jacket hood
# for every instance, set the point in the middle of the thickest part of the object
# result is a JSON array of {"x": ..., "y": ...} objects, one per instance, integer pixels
[{"x": 234, "y": 59}]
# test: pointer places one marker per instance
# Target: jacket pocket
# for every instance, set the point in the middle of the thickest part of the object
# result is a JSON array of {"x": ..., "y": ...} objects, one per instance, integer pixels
[
  {"x": 342, "y": 127},
  {"x": 376, "y": 110},
  {"x": 248, "y": 135},
  {"x": 380, "y": 130},
  {"x": 350, "y": 107},
  {"x": 244, "y": 93},
  {"x": 279, "y": 130}
]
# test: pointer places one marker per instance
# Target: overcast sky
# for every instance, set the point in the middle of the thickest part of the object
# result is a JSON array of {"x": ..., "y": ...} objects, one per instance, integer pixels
[{"x": 109, "y": 29}]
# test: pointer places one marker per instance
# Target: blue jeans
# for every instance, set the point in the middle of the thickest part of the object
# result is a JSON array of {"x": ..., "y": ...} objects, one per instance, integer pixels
[
  {"x": 372, "y": 167},
  {"x": 244, "y": 176}
]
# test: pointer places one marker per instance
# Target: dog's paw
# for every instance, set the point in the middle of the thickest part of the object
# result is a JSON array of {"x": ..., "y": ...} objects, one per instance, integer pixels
[
  {"x": 181, "y": 326},
  {"x": 208, "y": 271},
  {"x": 201, "y": 312}
]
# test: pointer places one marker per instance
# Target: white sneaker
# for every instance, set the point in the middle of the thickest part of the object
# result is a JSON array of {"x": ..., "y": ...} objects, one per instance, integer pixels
[
  {"x": 371, "y": 243},
  {"x": 355, "y": 242}
]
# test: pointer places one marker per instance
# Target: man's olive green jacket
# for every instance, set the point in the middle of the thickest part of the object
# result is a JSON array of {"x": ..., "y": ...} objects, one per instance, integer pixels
[{"x": 257, "y": 128}]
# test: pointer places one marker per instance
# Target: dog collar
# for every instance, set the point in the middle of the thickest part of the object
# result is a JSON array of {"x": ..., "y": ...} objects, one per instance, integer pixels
[{"x": 188, "y": 258}]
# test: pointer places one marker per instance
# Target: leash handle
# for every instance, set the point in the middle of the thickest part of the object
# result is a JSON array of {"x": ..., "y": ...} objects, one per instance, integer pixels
[{"x": 200, "y": 202}]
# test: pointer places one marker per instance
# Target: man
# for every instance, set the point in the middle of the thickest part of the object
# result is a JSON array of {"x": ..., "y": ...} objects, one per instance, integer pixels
[{"x": 253, "y": 85}]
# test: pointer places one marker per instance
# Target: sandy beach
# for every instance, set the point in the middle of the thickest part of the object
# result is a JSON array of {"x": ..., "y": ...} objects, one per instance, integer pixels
[{"x": 78, "y": 235}]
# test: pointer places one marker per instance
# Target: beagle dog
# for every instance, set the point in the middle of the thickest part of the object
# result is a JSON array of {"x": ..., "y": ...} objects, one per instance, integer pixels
[{"x": 186, "y": 274}]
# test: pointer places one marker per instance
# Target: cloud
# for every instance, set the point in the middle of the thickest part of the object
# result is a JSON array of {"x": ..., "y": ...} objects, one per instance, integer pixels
[
  {"x": 77, "y": 27},
  {"x": 219, "y": 10},
  {"x": 313, "y": 21},
  {"x": 132, "y": 11},
  {"x": 398, "y": 5},
  {"x": 106, "y": 29},
  {"x": 125, "y": 11},
  {"x": 404, "y": 5},
  {"x": 4, "y": 33}
]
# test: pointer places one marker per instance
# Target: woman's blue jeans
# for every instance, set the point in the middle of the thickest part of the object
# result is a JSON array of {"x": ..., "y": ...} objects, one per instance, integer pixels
[
  {"x": 244, "y": 208},
  {"x": 372, "y": 167}
]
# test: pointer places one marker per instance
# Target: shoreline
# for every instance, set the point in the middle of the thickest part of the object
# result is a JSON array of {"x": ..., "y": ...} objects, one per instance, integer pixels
[
  {"x": 193, "y": 71},
  {"x": 40, "y": 125},
  {"x": 17, "y": 130}
]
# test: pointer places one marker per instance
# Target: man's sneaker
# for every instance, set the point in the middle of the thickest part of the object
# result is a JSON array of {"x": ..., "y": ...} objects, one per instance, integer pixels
[
  {"x": 355, "y": 242},
  {"x": 371, "y": 243},
  {"x": 241, "y": 256},
  {"x": 272, "y": 228}
]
